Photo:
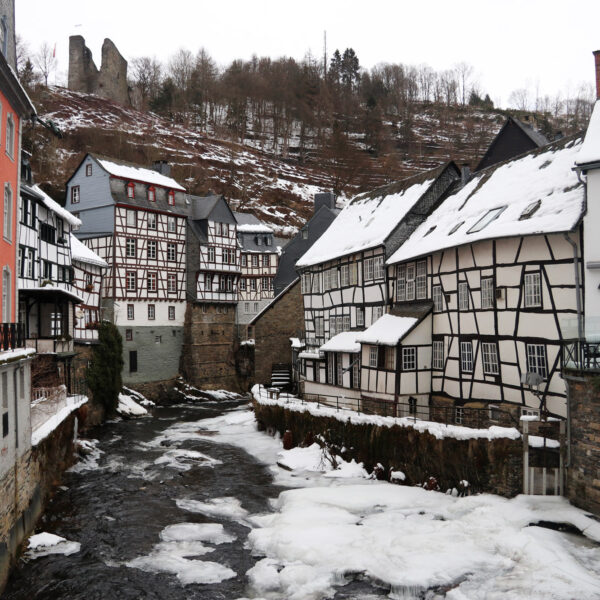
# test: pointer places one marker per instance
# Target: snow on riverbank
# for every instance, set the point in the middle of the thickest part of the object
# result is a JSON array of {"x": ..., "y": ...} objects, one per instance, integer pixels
[{"x": 44, "y": 544}]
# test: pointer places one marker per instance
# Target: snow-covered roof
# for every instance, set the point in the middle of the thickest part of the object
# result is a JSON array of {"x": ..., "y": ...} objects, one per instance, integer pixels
[
  {"x": 80, "y": 252},
  {"x": 254, "y": 228},
  {"x": 536, "y": 193},
  {"x": 367, "y": 220},
  {"x": 139, "y": 174},
  {"x": 49, "y": 288},
  {"x": 342, "y": 342},
  {"x": 388, "y": 330},
  {"x": 590, "y": 149},
  {"x": 310, "y": 355},
  {"x": 296, "y": 342},
  {"x": 55, "y": 207}
]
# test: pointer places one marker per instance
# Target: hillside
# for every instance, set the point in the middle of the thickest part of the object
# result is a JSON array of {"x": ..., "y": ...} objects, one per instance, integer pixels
[{"x": 277, "y": 187}]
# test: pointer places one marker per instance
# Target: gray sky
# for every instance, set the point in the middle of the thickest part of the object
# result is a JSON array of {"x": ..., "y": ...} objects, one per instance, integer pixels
[{"x": 511, "y": 44}]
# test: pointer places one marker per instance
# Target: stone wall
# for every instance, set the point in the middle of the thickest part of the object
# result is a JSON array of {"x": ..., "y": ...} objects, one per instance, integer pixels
[
  {"x": 108, "y": 82},
  {"x": 25, "y": 490},
  {"x": 489, "y": 466},
  {"x": 272, "y": 332},
  {"x": 209, "y": 347},
  {"x": 583, "y": 475}
]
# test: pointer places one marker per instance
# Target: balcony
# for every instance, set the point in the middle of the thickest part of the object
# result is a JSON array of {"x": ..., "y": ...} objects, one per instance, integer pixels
[
  {"x": 50, "y": 345},
  {"x": 12, "y": 336},
  {"x": 581, "y": 355}
]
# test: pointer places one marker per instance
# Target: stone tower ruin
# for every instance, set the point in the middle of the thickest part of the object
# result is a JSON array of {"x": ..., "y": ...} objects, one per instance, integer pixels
[{"x": 109, "y": 82}]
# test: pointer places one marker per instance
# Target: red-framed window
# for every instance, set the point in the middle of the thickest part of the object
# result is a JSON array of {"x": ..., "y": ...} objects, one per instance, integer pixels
[
  {"x": 171, "y": 197},
  {"x": 151, "y": 194},
  {"x": 131, "y": 190}
]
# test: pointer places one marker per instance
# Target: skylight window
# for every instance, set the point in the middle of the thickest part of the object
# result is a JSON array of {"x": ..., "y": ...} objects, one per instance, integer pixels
[
  {"x": 530, "y": 209},
  {"x": 430, "y": 230},
  {"x": 456, "y": 227},
  {"x": 489, "y": 216}
]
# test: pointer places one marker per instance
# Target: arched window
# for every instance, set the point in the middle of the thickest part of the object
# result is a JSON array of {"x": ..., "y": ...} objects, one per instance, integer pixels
[{"x": 131, "y": 190}]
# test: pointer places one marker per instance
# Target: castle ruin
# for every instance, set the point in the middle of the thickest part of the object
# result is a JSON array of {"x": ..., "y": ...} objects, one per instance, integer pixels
[{"x": 109, "y": 82}]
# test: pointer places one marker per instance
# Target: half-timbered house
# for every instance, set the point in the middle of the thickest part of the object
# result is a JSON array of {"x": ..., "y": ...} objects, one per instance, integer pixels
[
  {"x": 135, "y": 219},
  {"x": 88, "y": 271},
  {"x": 344, "y": 276},
  {"x": 499, "y": 263},
  {"x": 258, "y": 261}
]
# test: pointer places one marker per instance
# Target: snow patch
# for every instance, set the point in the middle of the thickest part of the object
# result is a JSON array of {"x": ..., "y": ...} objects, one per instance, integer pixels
[{"x": 44, "y": 544}]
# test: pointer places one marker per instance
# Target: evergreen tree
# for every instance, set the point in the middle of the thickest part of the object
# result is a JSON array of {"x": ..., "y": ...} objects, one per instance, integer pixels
[{"x": 104, "y": 373}]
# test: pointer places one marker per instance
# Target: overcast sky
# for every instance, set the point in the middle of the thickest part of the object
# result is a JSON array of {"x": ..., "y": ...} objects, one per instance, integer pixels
[{"x": 511, "y": 44}]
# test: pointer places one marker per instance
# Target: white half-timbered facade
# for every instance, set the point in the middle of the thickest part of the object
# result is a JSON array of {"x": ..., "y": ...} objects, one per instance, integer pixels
[
  {"x": 499, "y": 262},
  {"x": 47, "y": 298},
  {"x": 214, "y": 253},
  {"x": 88, "y": 269},
  {"x": 135, "y": 219},
  {"x": 343, "y": 275},
  {"x": 258, "y": 261}
]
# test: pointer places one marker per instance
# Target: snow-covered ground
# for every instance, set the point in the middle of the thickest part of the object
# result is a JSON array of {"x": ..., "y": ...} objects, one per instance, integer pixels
[{"x": 326, "y": 530}]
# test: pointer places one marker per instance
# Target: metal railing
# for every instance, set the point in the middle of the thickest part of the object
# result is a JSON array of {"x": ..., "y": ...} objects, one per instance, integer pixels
[
  {"x": 581, "y": 355},
  {"x": 12, "y": 335},
  {"x": 467, "y": 416}
]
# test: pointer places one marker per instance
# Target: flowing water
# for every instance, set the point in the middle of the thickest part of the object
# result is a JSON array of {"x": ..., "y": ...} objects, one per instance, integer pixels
[{"x": 118, "y": 511}]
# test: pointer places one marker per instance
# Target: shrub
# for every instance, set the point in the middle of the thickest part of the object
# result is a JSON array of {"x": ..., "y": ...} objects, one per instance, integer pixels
[{"x": 104, "y": 373}]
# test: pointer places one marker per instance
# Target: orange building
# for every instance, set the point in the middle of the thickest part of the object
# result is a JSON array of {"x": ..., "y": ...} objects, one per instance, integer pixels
[{"x": 15, "y": 109}]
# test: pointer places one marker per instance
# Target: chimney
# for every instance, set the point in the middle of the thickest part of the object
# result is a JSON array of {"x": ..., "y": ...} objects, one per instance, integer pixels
[
  {"x": 162, "y": 167},
  {"x": 597, "y": 59},
  {"x": 324, "y": 199},
  {"x": 465, "y": 174}
]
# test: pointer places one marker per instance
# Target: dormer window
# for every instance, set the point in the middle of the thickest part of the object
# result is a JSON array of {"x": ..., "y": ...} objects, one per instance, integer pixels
[
  {"x": 131, "y": 190},
  {"x": 151, "y": 194},
  {"x": 258, "y": 240},
  {"x": 530, "y": 209},
  {"x": 171, "y": 197},
  {"x": 490, "y": 215}
]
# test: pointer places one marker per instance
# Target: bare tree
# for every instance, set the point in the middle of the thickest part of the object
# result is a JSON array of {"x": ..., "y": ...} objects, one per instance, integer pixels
[
  {"x": 45, "y": 61},
  {"x": 520, "y": 99},
  {"x": 464, "y": 74},
  {"x": 146, "y": 78}
]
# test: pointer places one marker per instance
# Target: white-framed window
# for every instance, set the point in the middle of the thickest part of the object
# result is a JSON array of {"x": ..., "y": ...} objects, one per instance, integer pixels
[
  {"x": 305, "y": 283},
  {"x": 152, "y": 281},
  {"x": 88, "y": 170},
  {"x": 344, "y": 275},
  {"x": 390, "y": 358},
  {"x": 489, "y": 354},
  {"x": 264, "y": 284},
  {"x": 353, "y": 273},
  {"x": 253, "y": 284},
  {"x": 536, "y": 360},
  {"x": 487, "y": 292},
  {"x": 256, "y": 307},
  {"x": 410, "y": 281},
  {"x": 356, "y": 375},
  {"x": 246, "y": 307},
  {"x": 339, "y": 370},
  {"x": 130, "y": 312},
  {"x": 244, "y": 260},
  {"x": 330, "y": 366},
  {"x": 409, "y": 358},
  {"x": 494, "y": 413},
  {"x": 6, "y": 295},
  {"x": 346, "y": 323},
  {"x": 130, "y": 248},
  {"x": 533, "y": 289},
  {"x": 421, "y": 280},
  {"x": 211, "y": 254},
  {"x": 10, "y": 135},
  {"x": 31, "y": 263},
  {"x": 151, "y": 220},
  {"x": 373, "y": 352},
  {"x": 225, "y": 255},
  {"x": 369, "y": 269},
  {"x": 151, "y": 312},
  {"x": 266, "y": 260},
  {"x": 255, "y": 260},
  {"x": 319, "y": 327},
  {"x": 171, "y": 313},
  {"x": 151, "y": 251},
  {"x": 360, "y": 317},
  {"x": 242, "y": 284},
  {"x": 130, "y": 279},
  {"x": 75, "y": 194},
  {"x": 130, "y": 215},
  {"x": 379, "y": 267},
  {"x": 463, "y": 296},
  {"x": 316, "y": 283},
  {"x": 8, "y": 200},
  {"x": 171, "y": 283},
  {"x": 489, "y": 216},
  {"x": 151, "y": 194},
  {"x": 56, "y": 323},
  {"x": 377, "y": 313},
  {"x": 171, "y": 251},
  {"x": 459, "y": 414},
  {"x": 171, "y": 225},
  {"x": 438, "y": 298},
  {"x": 530, "y": 412},
  {"x": 437, "y": 360},
  {"x": 208, "y": 284},
  {"x": 401, "y": 283},
  {"x": 466, "y": 357}
]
